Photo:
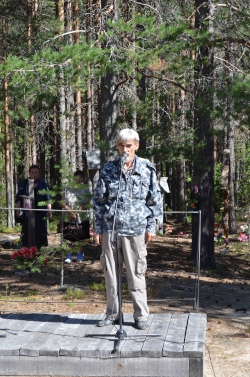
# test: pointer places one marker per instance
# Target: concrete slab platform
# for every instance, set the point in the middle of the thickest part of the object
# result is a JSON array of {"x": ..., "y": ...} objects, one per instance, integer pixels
[{"x": 72, "y": 345}]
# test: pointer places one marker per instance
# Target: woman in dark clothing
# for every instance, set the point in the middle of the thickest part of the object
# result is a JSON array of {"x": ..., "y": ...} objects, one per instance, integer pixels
[{"x": 40, "y": 195}]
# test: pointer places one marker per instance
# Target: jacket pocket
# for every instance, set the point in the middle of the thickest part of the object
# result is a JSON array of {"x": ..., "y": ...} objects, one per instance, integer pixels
[
  {"x": 140, "y": 189},
  {"x": 113, "y": 189},
  {"x": 144, "y": 190}
]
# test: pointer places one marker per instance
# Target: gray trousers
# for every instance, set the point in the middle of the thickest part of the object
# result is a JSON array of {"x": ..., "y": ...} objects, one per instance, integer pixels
[{"x": 131, "y": 250}]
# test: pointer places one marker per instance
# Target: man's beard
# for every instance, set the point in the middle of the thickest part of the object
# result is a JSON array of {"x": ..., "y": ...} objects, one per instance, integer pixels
[{"x": 127, "y": 160}]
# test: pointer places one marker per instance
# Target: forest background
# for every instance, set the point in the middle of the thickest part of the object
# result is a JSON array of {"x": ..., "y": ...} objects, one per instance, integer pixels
[{"x": 74, "y": 72}]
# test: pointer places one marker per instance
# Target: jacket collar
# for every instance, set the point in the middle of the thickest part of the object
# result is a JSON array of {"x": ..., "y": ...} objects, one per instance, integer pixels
[{"x": 137, "y": 165}]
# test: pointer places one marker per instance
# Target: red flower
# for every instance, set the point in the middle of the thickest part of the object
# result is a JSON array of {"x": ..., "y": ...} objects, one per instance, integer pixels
[
  {"x": 25, "y": 253},
  {"x": 34, "y": 251},
  {"x": 31, "y": 258},
  {"x": 15, "y": 255}
]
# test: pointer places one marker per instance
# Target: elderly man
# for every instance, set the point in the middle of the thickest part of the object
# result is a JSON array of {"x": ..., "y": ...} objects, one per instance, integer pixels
[{"x": 127, "y": 204}]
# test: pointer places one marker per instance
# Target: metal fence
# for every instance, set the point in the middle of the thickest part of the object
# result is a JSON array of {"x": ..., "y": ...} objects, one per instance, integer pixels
[{"x": 195, "y": 299}]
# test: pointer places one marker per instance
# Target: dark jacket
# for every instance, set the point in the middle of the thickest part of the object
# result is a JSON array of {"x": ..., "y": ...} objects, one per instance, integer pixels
[{"x": 39, "y": 197}]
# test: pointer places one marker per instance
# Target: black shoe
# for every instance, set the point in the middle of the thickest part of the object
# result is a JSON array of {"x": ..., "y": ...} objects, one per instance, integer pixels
[
  {"x": 141, "y": 325},
  {"x": 105, "y": 322},
  {"x": 108, "y": 321}
]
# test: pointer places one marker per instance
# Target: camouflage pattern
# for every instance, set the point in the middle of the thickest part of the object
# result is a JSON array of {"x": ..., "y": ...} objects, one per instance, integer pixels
[{"x": 139, "y": 204}]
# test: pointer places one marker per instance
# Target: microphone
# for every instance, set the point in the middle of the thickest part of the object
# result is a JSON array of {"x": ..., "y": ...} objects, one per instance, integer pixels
[{"x": 123, "y": 157}]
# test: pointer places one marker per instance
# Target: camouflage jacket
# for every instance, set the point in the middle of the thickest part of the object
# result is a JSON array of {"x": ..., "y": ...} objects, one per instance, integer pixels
[{"x": 139, "y": 202}]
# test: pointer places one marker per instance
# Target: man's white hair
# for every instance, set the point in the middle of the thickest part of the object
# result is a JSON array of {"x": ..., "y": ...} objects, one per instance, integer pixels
[{"x": 127, "y": 134}]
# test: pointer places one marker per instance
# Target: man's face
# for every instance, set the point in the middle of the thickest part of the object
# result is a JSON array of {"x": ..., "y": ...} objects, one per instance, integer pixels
[
  {"x": 129, "y": 147},
  {"x": 34, "y": 173}
]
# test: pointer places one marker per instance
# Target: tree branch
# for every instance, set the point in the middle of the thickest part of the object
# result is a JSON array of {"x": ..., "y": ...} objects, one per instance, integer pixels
[
  {"x": 175, "y": 83},
  {"x": 49, "y": 66},
  {"x": 227, "y": 62},
  {"x": 63, "y": 34},
  {"x": 227, "y": 6}
]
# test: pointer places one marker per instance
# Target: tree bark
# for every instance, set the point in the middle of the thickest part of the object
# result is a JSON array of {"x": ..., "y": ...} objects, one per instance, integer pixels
[
  {"x": 63, "y": 127},
  {"x": 8, "y": 137},
  {"x": 203, "y": 126},
  {"x": 109, "y": 99},
  {"x": 232, "y": 213},
  {"x": 79, "y": 125}
]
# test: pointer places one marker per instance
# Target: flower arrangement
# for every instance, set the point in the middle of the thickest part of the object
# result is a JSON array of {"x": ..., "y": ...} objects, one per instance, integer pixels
[
  {"x": 31, "y": 258},
  {"x": 218, "y": 237},
  {"x": 243, "y": 227},
  {"x": 167, "y": 229},
  {"x": 242, "y": 237}
]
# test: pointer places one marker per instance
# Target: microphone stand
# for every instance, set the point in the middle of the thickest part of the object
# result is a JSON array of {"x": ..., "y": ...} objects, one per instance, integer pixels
[{"x": 121, "y": 333}]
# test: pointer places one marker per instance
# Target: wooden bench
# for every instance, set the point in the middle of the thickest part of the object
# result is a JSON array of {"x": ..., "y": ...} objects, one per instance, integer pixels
[{"x": 72, "y": 345}]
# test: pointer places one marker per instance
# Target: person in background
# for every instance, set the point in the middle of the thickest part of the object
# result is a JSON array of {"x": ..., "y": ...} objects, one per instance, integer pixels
[
  {"x": 126, "y": 187},
  {"x": 40, "y": 195},
  {"x": 78, "y": 198}
]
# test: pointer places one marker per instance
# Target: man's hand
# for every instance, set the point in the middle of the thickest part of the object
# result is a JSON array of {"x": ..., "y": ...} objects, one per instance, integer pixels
[
  {"x": 98, "y": 239},
  {"x": 149, "y": 236},
  {"x": 72, "y": 215}
]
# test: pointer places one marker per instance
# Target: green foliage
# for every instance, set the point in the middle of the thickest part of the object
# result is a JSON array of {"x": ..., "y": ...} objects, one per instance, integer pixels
[
  {"x": 5, "y": 229},
  {"x": 154, "y": 42},
  {"x": 74, "y": 294},
  {"x": 30, "y": 293},
  {"x": 241, "y": 97},
  {"x": 98, "y": 287},
  {"x": 155, "y": 56}
]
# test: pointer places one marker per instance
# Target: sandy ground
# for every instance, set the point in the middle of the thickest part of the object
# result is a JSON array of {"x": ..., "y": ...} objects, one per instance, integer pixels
[{"x": 223, "y": 294}]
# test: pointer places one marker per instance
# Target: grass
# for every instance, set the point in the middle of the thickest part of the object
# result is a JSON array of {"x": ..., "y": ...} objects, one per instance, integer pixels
[
  {"x": 31, "y": 292},
  {"x": 5, "y": 229},
  {"x": 74, "y": 294},
  {"x": 27, "y": 295},
  {"x": 100, "y": 287},
  {"x": 78, "y": 294}
]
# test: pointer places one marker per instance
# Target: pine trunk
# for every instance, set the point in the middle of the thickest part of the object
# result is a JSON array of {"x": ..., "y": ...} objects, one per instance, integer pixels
[
  {"x": 8, "y": 138},
  {"x": 203, "y": 126},
  {"x": 79, "y": 126},
  {"x": 109, "y": 98}
]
